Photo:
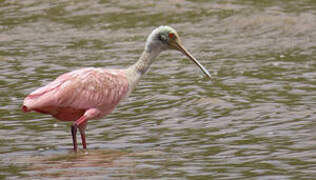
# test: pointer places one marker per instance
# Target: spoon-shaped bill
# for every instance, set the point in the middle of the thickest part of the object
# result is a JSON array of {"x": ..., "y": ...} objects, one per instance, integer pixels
[{"x": 186, "y": 52}]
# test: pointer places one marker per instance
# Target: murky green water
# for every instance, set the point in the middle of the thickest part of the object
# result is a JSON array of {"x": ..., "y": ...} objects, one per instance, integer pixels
[{"x": 255, "y": 119}]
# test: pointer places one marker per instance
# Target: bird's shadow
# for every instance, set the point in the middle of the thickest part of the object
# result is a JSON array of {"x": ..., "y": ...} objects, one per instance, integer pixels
[{"x": 82, "y": 163}]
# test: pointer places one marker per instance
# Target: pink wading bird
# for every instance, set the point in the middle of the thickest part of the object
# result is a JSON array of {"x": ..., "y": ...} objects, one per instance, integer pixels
[{"x": 92, "y": 93}]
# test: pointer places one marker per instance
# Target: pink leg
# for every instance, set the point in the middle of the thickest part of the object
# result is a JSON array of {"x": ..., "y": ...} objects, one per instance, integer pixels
[
  {"x": 82, "y": 130},
  {"x": 74, "y": 136},
  {"x": 81, "y": 123}
]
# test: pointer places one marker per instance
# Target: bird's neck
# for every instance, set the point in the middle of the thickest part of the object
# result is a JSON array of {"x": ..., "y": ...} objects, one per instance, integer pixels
[
  {"x": 144, "y": 62},
  {"x": 137, "y": 70}
]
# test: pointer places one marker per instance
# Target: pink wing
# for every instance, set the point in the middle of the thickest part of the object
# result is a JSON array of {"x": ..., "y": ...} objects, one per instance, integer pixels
[{"x": 78, "y": 91}]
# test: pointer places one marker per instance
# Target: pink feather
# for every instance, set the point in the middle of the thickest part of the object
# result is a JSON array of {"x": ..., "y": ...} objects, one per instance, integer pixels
[{"x": 72, "y": 94}]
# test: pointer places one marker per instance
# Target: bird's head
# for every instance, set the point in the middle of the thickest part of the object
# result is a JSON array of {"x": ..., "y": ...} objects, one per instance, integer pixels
[
  {"x": 165, "y": 38},
  {"x": 162, "y": 38}
]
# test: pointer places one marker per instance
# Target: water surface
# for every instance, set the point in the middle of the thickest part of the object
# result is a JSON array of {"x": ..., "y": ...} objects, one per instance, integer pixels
[{"x": 255, "y": 119}]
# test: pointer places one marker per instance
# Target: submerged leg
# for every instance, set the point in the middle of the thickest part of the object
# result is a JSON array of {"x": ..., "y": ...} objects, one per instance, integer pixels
[
  {"x": 81, "y": 124},
  {"x": 81, "y": 121},
  {"x": 74, "y": 136},
  {"x": 82, "y": 130}
]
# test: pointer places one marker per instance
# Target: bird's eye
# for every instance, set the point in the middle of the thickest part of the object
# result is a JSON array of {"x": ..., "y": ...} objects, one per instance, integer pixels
[{"x": 171, "y": 35}]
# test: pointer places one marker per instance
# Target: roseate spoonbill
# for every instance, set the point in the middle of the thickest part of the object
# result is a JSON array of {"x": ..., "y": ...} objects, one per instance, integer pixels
[{"x": 92, "y": 93}]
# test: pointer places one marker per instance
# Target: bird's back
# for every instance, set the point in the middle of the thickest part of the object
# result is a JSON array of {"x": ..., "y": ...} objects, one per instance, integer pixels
[{"x": 71, "y": 94}]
